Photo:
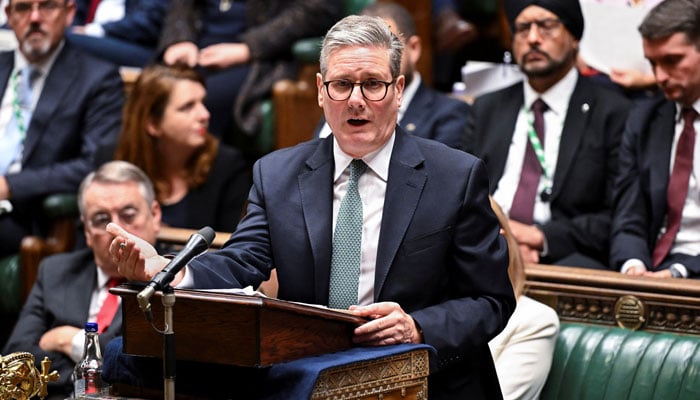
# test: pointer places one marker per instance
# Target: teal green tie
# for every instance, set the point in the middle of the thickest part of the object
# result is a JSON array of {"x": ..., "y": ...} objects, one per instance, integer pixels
[{"x": 347, "y": 244}]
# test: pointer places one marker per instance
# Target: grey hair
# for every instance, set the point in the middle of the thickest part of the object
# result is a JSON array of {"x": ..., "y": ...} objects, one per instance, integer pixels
[
  {"x": 116, "y": 172},
  {"x": 366, "y": 31},
  {"x": 673, "y": 16}
]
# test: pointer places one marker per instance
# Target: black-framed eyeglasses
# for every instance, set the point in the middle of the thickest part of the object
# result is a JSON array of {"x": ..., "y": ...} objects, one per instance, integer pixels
[
  {"x": 546, "y": 27},
  {"x": 45, "y": 7},
  {"x": 372, "y": 89},
  {"x": 127, "y": 216}
]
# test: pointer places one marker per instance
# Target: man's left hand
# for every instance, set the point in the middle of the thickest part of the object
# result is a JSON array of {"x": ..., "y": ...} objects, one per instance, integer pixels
[
  {"x": 389, "y": 324},
  {"x": 529, "y": 235},
  {"x": 58, "y": 339}
]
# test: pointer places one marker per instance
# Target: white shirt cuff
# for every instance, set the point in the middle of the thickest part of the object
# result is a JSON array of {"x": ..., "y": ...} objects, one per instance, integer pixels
[
  {"x": 632, "y": 262},
  {"x": 94, "y": 30},
  {"x": 77, "y": 346}
]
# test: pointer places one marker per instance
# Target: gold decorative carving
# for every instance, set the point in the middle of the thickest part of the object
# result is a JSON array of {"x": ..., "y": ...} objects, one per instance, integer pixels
[
  {"x": 21, "y": 380},
  {"x": 630, "y": 312},
  {"x": 400, "y": 376}
]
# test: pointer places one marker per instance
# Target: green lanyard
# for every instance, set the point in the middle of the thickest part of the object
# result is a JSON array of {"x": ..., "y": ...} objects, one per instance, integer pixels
[{"x": 539, "y": 152}]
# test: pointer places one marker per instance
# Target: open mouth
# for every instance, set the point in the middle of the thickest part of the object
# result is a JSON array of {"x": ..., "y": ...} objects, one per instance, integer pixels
[{"x": 357, "y": 122}]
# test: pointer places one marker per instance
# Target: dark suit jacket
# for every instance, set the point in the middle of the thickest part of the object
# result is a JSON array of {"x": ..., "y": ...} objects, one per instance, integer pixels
[
  {"x": 640, "y": 195},
  {"x": 60, "y": 296},
  {"x": 219, "y": 202},
  {"x": 432, "y": 115},
  {"x": 78, "y": 111},
  {"x": 440, "y": 254},
  {"x": 141, "y": 24},
  {"x": 581, "y": 201}
]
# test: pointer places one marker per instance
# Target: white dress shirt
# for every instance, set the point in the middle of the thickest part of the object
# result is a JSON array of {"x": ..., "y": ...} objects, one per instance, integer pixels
[
  {"x": 372, "y": 188},
  {"x": 99, "y": 294}
]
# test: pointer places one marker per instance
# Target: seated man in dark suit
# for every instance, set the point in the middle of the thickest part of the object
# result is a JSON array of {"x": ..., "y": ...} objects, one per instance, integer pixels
[
  {"x": 59, "y": 105},
  {"x": 551, "y": 167},
  {"x": 424, "y": 112},
  {"x": 657, "y": 201},
  {"x": 71, "y": 288},
  {"x": 397, "y": 228}
]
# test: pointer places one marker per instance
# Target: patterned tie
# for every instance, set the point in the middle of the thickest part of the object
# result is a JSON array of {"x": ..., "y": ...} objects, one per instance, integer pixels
[
  {"x": 109, "y": 306},
  {"x": 677, "y": 189},
  {"x": 347, "y": 244},
  {"x": 524, "y": 199},
  {"x": 21, "y": 84}
]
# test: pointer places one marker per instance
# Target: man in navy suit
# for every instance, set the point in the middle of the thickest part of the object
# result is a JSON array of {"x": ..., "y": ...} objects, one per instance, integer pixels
[
  {"x": 556, "y": 189},
  {"x": 72, "y": 287},
  {"x": 432, "y": 263},
  {"x": 657, "y": 199},
  {"x": 59, "y": 106},
  {"x": 424, "y": 112}
]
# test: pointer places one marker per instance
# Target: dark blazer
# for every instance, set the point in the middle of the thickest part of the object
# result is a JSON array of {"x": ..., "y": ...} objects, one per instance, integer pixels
[
  {"x": 440, "y": 254},
  {"x": 432, "y": 115},
  {"x": 581, "y": 201},
  {"x": 219, "y": 202},
  {"x": 60, "y": 296},
  {"x": 141, "y": 24},
  {"x": 640, "y": 195},
  {"x": 78, "y": 111}
]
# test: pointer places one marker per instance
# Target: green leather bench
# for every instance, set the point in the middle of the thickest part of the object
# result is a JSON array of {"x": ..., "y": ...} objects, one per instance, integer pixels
[
  {"x": 17, "y": 272},
  {"x": 593, "y": 362},
  {"x": 10, "y": 302},
  {"x": 621, "y": 337}
]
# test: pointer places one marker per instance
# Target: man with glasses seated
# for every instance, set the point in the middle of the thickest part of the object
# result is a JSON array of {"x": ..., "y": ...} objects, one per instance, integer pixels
[
  {"x": 58, "y": 106},
  {"x": 73, "y": 288},
  {"x": 550, "y": 143}
]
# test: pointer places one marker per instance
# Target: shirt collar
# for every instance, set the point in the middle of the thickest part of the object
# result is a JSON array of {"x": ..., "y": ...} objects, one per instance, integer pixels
[
  {"x": 408, "y": 93},
  {"x": 557, "y": 97},
  {"x": 102, "y": 278},
  {"x": 21, "y": 62},
  {"x": 377, "y": 161},
  {"x": 679, "y": 108}
]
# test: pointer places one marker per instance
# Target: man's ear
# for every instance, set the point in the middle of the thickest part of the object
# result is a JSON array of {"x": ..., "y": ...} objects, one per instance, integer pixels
[{"x": 319, "y": 86}]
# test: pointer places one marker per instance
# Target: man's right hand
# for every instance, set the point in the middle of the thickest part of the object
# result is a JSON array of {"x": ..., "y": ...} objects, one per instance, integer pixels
[{"x": 136, "y": 259}]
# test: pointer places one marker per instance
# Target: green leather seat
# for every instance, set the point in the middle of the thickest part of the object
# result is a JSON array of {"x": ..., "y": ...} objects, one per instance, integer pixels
[
  {"x": 10, "y": 285},
  {"x": 306, "y": 51},
  {"x": 610, "y": 363}
]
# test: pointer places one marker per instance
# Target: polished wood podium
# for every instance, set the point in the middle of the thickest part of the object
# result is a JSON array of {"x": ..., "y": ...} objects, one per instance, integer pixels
[
  {"x": 258, "y": 331},
  {"x": 250, "y": 331}
]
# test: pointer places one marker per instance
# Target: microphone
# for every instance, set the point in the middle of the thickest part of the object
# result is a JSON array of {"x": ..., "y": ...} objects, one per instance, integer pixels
[{"x": 197, "y": 244}]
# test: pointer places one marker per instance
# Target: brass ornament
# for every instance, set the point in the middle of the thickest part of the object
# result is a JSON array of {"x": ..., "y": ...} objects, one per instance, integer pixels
[
  {"x": 630, "y": 312},
  {"x": 21, "y": 380}
]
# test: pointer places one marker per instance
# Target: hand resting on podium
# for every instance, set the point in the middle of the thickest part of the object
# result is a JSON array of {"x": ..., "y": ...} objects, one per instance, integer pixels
[{"x": 389, "y": 324}]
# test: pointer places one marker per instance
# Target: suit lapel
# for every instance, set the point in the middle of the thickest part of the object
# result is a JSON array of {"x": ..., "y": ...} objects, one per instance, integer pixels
[
  {"x": 7, "y": 62},
  {"x": 414, "y": 114},
  {"x": 404, "y": 187},
  {"x": 581, "y": 107},
  {"x": 56, "y": 88},
  {"x": 661, "y": 131},
  {"x": 316, "y": 191},
  {"x": 498, "y": 140}
]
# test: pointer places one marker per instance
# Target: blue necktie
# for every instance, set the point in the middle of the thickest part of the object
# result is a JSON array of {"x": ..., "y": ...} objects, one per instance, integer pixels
[
  {"x": 347, "y": 244},
  {"x": 21, "y": 84}
]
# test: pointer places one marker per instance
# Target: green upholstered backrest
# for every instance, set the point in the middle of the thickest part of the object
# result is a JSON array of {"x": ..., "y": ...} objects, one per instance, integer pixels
[
  {"x": 308, "y": 50},
  {"x": 9, "y": 285},
  {"x": 610, "y": 363}
]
